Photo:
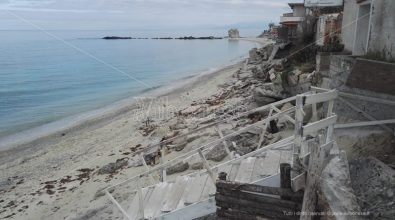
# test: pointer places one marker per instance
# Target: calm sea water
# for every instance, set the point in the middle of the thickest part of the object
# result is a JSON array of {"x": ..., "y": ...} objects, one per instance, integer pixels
[{"x": 47, "y": 77}]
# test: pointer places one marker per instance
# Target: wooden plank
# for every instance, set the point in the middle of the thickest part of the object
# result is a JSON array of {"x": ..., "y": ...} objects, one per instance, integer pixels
[
  {"x": 289, "y": 118},
  {"x": 221, "y": 135},
  {"x": 360, "y": 97},
  {"x": 318, "y": 125},
  {"x": 296, "y": 166},
  {"x": 314, "y": 110},
  {"x": 196, "y": 186},
  {"x": 245, "y": 170},
  {"x": 298, "y": 182},
  {"x": 259, "y": 200},
  {"x": 312, "y": 183},
  {"x": 320, "y": 97},
  {"x": 264, "y": 128},
  {"x": 365, "y": 123},
  {"x": 233, "y": 171},
  {"x": 155, "y": 201},
  {"x": 259, "y": 189},
  {"x": 174, "y": 195}
]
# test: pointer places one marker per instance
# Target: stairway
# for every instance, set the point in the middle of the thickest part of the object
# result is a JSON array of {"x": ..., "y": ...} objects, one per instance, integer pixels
[{"x": 190, "y": 189}]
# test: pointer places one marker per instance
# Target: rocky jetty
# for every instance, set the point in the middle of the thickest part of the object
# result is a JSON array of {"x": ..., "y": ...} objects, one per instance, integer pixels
[
  {"x": 116, "y": 38},
  {"x": 199, "y": 38}
]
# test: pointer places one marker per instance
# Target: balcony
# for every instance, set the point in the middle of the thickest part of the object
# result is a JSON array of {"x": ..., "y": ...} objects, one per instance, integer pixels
[{"x": 286, "y": 19}]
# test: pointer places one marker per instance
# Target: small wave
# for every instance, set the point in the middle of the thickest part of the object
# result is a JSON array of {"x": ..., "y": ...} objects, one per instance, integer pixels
[{"x": 151, "y": 88}]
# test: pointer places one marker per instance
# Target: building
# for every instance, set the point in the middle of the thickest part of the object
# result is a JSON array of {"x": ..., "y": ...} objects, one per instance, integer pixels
[
  {"x": 293, "y": 21},
  {"x": 328, "y": 29},
  {"x": 233, "y": 33},
  {"x": 369, "y": 27}
]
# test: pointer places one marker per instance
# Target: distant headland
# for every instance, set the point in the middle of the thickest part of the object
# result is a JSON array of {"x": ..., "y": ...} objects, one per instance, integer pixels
[{"x": 164, "y": 38}]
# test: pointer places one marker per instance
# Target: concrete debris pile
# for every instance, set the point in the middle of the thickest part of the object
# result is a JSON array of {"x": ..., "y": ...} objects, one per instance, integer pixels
[{"x": 259, "y": 82}]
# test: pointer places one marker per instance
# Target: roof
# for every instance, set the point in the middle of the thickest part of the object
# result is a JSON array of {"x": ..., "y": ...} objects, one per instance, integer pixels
[{"x": 292, "y": 5}]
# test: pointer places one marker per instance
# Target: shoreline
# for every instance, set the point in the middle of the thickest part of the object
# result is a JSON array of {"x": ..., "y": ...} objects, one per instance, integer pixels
[
  {"x": 95, "y": 118},
  {"x": 86, "y": 119},
  {"x": 43, "y": 179},
  {"x": 30, "y": 170},
  {"x": 33, "y": 136}
]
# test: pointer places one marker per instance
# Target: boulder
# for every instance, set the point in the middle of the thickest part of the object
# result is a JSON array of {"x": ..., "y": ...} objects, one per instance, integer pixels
[
  {"x": 245, "y": 143},
  {"x": 112, "y": 168},
  {"x": 254, "y": 56},
  {"x": 272, "y": 74},
  {"x": 292, "y": 79},
  {"x": 305, "y": 78},
  {"x": 177, "y": 168},
  {"x": 217, "y": 153},
  {"x": 180, "y": 143},
  {"x": 267, "y": 96},
  {"x": 135, "y": 161}
]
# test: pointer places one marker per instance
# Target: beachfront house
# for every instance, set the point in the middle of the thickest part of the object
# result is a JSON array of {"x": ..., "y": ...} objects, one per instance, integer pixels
[
  {"x": 293, "y": 21},
  {"x": 298, "y": 23},
  {"x": 369, "y": 28},
  {"x": 328, "y": 25}
]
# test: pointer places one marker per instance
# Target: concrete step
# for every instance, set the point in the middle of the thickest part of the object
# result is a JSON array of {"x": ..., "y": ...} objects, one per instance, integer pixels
[
  {"x": 154, "y": 205},
  {"x": 174, "y": 195},
  {"x": 133, "y": 210},
  {"x": 195, "y": 189},
  {"x": 245, "y": 170}
]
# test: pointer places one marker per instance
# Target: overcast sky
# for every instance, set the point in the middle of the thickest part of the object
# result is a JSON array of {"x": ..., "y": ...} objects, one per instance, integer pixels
[{"x": 139, "y": 14}]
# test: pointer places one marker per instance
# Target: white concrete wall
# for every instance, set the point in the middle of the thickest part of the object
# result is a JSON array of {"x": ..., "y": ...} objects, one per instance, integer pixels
[
  {"x": 299, "y": 11},
  {"x": 348, "y": 31},
  {"x": 381, "y": 31},
  {"x": 382, "y": 28}
]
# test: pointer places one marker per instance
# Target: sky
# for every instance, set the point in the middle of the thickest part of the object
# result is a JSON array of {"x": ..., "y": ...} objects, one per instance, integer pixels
[{"x": 140, "y": 14}]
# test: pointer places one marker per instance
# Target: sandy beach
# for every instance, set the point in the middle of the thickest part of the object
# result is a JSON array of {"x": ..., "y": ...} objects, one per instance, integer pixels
[{"x": 55, "y": 177}]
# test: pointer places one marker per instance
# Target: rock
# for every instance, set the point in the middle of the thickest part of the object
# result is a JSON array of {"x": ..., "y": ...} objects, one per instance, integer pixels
[
  {"x": 101, "y": 192},
  {"x": 177, "y": 168},
  {"x": 244, "y": 75},
  {"x": 282, "y": 122},
  {"x": 264, "y": 96},
  {"x": 180, "y": 143},
  {"x": 254, "y": 56},
  {"x": 217, "y": 153},
  {"x": 245, "y": 143},
  {"x": 170, "y": 135},
  {"x": 113, "y": 167},
  {"x": 233, "y": 33},
  {"x": 292, "y": 79},
  {"x": 286, "y": 106},
  {"x": 305, "y": 78},
  {"x": 197, "y": 166},
  {"x": 260, "y": 98},
  {"x": 135, "y": 161}
]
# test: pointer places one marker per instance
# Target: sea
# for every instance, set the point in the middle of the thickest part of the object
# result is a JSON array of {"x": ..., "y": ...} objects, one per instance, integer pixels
[{"x": 48, "y": 77}]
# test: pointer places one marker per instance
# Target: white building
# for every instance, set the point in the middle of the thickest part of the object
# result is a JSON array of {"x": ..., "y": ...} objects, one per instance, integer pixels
[{"x": 369, "y": 26}]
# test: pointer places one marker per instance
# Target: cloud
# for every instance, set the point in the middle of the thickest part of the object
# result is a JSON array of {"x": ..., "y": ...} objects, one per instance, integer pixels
[{"x": 129, "y": 14}]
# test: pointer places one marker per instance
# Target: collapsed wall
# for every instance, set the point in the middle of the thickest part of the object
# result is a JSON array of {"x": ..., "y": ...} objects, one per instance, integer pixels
[{"x": 342, "y": 188}]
